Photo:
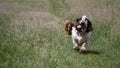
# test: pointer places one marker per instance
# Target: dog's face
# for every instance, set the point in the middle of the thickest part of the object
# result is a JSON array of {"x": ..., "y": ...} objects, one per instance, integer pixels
[{"x": 83, "y": 24}]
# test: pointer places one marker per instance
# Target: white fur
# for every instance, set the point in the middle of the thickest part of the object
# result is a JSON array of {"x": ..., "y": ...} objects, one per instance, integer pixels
[
  {"x": 84, "y": 17},
  {"x": 82, "y": 39}
]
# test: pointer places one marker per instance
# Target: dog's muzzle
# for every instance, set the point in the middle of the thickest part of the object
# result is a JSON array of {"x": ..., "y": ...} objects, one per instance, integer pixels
[
  {"x": 82, "y": 24},
  {"x": 81, "y": 27}
]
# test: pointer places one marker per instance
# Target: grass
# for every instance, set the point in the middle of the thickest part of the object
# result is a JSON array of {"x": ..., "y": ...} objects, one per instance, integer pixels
[{"x": 32, "y": 34}]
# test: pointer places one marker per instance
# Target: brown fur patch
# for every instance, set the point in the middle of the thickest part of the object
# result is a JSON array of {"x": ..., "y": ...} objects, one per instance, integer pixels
[{"x": 68, "y": 27}]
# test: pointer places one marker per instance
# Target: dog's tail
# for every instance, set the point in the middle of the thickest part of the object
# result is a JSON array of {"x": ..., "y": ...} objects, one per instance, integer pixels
[{"x": 68, "y": 27}]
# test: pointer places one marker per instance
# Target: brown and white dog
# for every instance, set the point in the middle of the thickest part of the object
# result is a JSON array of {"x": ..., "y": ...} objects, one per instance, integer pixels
[{"x": 80, "y": 33}]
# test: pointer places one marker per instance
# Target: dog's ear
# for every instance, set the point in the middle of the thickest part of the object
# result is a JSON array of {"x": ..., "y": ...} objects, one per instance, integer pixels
[
  {"x": 68, "y": 27},
  {"x": 89, "y": 26},
  {"x": 78, "y": 19}
]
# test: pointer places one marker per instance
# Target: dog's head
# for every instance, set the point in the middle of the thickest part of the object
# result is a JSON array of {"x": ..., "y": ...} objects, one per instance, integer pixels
[
  {"x": 68, "y": 27},
  {"x": 83, "y": 24}
]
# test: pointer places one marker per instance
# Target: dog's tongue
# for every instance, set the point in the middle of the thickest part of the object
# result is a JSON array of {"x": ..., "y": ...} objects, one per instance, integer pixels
[{"x": 79, "y": 26}]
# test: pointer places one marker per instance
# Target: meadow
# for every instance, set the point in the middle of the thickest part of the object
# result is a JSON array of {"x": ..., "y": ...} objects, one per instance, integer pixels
[{"x": 32, "y": 34}]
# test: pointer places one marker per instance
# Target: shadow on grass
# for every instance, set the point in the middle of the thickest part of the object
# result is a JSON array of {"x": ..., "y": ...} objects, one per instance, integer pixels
[{"x": 91, "y": 52}]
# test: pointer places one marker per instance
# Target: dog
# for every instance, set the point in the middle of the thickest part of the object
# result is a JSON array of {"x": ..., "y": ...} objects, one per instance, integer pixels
[{"x": 80, "y": 32}]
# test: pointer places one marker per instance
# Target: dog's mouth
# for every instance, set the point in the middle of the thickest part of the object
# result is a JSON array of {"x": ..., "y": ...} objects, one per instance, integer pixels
[{"x": 81, "y": 27}]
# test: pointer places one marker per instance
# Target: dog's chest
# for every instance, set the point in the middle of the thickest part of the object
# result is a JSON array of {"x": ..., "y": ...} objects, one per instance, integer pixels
[{"x": 84, "y": 36}]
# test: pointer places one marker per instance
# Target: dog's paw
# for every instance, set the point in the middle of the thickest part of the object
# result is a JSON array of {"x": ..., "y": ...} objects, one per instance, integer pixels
[{"x": 83, "y": 49}]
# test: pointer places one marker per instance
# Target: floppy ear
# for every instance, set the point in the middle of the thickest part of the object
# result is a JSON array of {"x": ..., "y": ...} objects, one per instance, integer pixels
[
  {"x": 89, "y": 26},
  {"x": 78, "y": 19}
]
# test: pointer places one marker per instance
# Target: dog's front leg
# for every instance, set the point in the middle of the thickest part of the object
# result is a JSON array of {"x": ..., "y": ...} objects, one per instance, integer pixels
[
  {"x": 83, "y": 47},
  {"x": 75, "y": 45}
]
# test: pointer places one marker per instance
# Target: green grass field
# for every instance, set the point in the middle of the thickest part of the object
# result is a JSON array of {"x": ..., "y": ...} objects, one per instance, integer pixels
[{"x": 32, "y": 34}]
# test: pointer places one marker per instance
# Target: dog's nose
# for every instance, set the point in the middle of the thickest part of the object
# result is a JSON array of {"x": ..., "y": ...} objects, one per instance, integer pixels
[{"x": 82, "y": 23}]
